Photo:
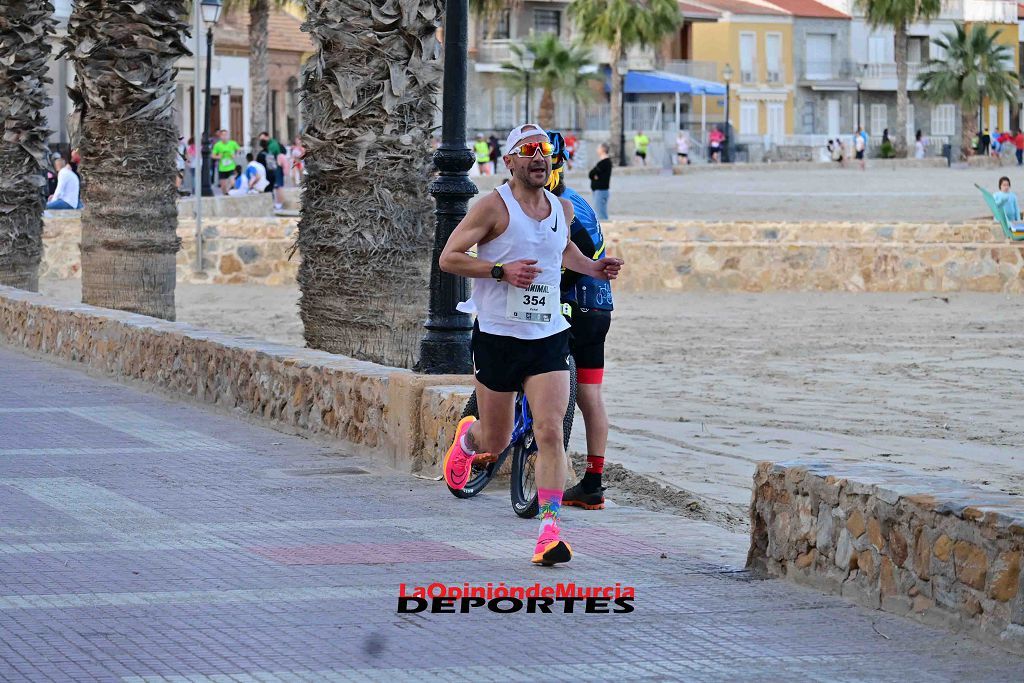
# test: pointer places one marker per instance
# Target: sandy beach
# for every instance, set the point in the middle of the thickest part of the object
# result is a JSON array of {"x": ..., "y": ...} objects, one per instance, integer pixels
[{"x": 701, "y": 386}]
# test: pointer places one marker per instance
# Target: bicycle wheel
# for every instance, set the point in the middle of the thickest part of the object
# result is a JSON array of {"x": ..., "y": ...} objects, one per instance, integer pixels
[
  {"x": 480, "y": 476},
  {"x": 523, "y": 488}
]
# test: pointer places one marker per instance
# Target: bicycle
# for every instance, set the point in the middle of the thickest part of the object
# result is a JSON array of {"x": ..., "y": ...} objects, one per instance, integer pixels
[{"x": 523, "y": 449}]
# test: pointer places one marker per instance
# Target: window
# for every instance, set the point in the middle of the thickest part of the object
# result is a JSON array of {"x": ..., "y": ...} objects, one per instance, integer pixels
[
  {"x": 237, "y": 117},
  {"x": 915, "y": 50},
  {"x": 547, "y": 21},
  {"x": 879, "y": 118},
  {"x": 504, "y": 109},
  {"x": 773, "y": 57},
  {"x": 748, "y": 48},
  {"x": 502, "y": 25},
  {"x": 877, "y": 49},
  {"x": 749, "y": 125},
  {"x": 818, "y": 56},
  {"x": 944, "y": 119},
  {"x": 776, "y": 120}
]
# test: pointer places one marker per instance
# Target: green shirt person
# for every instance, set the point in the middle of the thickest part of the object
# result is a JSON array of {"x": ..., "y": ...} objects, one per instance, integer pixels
[
  {"x": 640, "y": 142},
  {"x": 224, "y": 151},
  {"x": 482, "y": 150}
]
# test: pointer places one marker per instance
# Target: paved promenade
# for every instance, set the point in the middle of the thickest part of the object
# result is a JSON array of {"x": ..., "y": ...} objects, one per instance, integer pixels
[{"x": 147, "y": 540}]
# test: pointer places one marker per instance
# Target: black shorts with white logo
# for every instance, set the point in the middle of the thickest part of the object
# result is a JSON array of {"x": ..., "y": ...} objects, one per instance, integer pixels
[{"x": 502, "y": 363}]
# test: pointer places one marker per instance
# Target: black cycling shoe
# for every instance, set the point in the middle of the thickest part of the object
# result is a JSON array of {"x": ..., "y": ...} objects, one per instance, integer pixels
[{"x": 578, "y": 498}]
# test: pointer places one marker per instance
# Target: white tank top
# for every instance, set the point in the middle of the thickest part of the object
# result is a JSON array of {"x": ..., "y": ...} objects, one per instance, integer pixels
[{"x": 525, "y": 238}]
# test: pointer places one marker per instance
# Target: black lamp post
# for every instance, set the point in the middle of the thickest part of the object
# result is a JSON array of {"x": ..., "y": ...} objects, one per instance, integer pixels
[
  {"x": 727, "y": 142},
  {"x": 623, "y": 67},
  {"x": 445, "y": 347},
  {"x": 211, "y": 15},
  {"x": 528, "y": 61}
]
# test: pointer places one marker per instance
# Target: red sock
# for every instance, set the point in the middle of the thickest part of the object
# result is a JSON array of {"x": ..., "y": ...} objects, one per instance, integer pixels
[{"x": 592, "y": 478}]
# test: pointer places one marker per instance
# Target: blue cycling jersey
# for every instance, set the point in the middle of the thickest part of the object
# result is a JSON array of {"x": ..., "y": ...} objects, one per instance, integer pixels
[{"x": 585, "y": 232}]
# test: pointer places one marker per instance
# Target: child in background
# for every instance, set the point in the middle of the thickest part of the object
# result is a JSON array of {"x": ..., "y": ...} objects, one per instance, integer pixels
[{"x": 1007, "y": 200}]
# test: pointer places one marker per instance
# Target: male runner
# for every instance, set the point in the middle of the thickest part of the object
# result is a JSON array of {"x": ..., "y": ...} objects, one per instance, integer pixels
[
  {"x": 520, "y": 339},
  {"x": 587, "y": 303}
]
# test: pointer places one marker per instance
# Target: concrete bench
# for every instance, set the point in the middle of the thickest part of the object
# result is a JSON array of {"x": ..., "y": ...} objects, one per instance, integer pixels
[{"x": 927, "y": 547}]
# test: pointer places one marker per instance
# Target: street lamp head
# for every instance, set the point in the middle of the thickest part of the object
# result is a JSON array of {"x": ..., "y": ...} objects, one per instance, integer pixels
[
  {"x": 211, "y": 11},
  {"x": 528, "y": 60},
  {"x": 727, "y": 73},
  {"x": 623, "y": 65}
]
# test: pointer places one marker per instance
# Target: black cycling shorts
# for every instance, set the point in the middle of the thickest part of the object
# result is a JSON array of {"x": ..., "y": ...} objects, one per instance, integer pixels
[
  {"x": 586, "y": 341},
  {"x": 503, "y": 363}
]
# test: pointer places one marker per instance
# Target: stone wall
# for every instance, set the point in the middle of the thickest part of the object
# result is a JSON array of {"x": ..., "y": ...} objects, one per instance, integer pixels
[
  {"x": 387, "y": 411},
  {"x": 890, "y": 539},
  {"x": 663, "y": 255}
]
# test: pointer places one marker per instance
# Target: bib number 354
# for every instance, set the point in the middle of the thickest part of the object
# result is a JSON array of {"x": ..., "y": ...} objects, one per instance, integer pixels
[{"x": 535, "y": 304}]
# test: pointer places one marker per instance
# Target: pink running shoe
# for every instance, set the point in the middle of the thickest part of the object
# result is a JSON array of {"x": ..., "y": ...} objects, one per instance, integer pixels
[
  {"x": 551, "y": 549},
  {"x": 458, "y": 463}
]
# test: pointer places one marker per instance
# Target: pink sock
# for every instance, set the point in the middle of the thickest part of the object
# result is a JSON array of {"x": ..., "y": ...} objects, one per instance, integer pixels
[{"x": 550, "y": 501}]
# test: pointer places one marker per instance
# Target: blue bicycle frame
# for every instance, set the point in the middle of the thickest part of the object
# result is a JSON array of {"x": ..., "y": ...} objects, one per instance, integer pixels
[{"x": 523, "y": 423}]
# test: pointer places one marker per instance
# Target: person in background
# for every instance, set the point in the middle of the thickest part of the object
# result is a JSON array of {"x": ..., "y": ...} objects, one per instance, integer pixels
[
  {"x": 1018, "y": 142},
  {"x": 641, "y": 142},
  {"x": 860, "y": 145},
  {"x": 180, "y": 163},
  {"x": 984, "y": 143},
  {"x": 570, "y": 149},
  {"x": 51, "y": 174},
  {"x": 482, "y": 150},
  {"x": 919, "y": 145},
  {"x": 838, "y": 152},
  {"x": 600, "y": 181},
  {"x": 715, "y": 140},
  {"x": 495, "y": 149},
  {"x": 1007, "y": 200},
  {"x": 683, "y": 147},
  {"x": 65, "y": 196},
  {"x": 224, "y": 151},
  {"x": 298, "y": 166},
  {"x": 76, "y": 159}
]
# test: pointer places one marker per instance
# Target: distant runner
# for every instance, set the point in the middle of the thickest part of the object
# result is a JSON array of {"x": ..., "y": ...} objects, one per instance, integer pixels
[{"x": 520, "y": 339}]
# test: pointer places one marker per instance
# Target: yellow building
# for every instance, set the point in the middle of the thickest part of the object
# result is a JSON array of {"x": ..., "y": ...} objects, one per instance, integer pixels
[{"x": 756, "y": 42}]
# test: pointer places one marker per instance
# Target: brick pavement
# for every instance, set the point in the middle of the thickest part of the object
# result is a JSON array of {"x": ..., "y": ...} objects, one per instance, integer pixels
[{"x": 147, "y": 540}]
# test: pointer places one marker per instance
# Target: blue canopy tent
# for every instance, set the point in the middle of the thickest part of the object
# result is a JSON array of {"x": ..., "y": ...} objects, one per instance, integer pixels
[{"x": 663, "y": 82}]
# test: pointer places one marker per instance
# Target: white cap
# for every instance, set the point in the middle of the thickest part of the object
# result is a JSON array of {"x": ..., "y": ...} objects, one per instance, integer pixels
[{"x": 518, "y": 133}]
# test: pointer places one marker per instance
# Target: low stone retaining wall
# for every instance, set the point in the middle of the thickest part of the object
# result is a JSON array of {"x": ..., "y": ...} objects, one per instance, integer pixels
[
  {"x": 664, "y": 255},
  {"x": 922, "y": 546},
  {"x": 387, "y": 411}
]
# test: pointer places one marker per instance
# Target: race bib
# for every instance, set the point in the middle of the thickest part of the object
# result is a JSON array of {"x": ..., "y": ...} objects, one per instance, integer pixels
[{"x": 535, "y": 304}]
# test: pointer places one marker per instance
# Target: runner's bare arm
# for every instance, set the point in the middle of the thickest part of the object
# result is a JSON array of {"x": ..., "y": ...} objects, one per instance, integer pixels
[
  {"x": 475, "y": 228},
  {"x": 576, "y": 261}
]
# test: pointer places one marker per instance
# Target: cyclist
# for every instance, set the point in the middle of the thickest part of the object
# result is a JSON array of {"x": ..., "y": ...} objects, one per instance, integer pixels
[
  {"x": 587, "y": 303},
  {"x": 520, "y": 339}
]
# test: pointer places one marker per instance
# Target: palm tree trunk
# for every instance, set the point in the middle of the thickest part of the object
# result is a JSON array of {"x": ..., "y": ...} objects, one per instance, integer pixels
[
  {"x": 124, "y": 53},
  {"x": 366, "y": 230},
  {"x": 259, "y": 82},
  {"x": 968, "y": 122},
  {"x": 899, "y": 138},
  {"x": 24, "y": 49},
  {"x": 615, "y": 122},
  {"x": 547, "y": 109}
]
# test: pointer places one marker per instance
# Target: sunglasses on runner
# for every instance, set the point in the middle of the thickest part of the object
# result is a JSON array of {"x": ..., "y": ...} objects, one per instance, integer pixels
[{"x": 528, "y": 149}]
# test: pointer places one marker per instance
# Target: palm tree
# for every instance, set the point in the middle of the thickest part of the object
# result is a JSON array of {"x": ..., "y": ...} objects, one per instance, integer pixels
[
  {"x": 556, "y": 67},
  {"x": 366, "y": 230},
  {"x": 621, "y": 25},
  {"x": 25, "y": 31},
  {"x": 259, "y": 82},
  {"x": 899, "y": 14},
  {"x": 487, "y": 11},
  {"x": 124, "y": 52},
  {"x": 976, "y": 67}
]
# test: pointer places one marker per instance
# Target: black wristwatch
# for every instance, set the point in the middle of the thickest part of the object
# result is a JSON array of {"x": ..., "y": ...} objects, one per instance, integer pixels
[{"x": 498, "y": 271}]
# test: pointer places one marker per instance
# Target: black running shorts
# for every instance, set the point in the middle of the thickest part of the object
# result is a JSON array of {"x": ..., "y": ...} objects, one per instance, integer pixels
[
  {"x": 586, "y": 337},
  {"x": 503, "y": 363}
]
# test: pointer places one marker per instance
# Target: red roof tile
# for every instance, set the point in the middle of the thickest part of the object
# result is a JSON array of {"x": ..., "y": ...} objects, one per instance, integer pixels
[
  {"x": 809, "y": 8},
  {"x": 740, "y": 7}
]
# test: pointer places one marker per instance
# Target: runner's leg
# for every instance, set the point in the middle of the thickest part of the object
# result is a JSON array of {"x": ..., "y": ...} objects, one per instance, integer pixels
[
  {"x": 489, "y": 434},
  {"x": 548, "y": 395}
]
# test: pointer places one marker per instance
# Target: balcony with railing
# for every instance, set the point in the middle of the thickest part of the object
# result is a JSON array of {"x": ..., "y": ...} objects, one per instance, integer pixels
[
  {"x": 749, "y": 72},
  {"x": 496, "y": 51},
  {"x": 707, "y": 71},
  {"x": 825, "y": 70},
  {"x": 882, "y": 76}
]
